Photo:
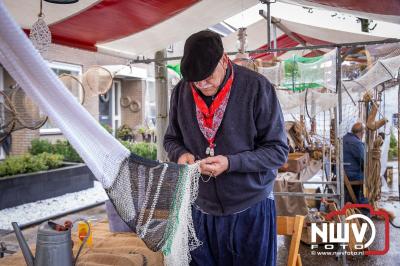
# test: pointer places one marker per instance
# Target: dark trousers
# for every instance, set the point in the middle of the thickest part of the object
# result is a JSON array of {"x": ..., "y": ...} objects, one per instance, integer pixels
[{"x": 245, "y": 238}]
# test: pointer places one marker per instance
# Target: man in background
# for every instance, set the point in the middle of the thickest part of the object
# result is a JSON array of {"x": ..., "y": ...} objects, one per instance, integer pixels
[{"x": 353, "y": 158}]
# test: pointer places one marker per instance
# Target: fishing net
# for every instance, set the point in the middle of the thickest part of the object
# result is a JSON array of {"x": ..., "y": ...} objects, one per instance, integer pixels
[
  {"x": 98, "y": 80},
  {"x": 308, "y": 102},
  {"x": 350, "y": 112},
  {"x": 153, "y": 198},
  {"x": 382, "y": 51},
  {"x": 7, "y": 116},
  {"x": 321, "y": 72},
  {"x": 27, "y": 112},
  {"x": 382, "y": 71},
  {"x": 301, "y": 73},
  {"x": 274, "y": 74},
  {"x": 386, "y": 63},
  {"x": 74, "y": 85}
]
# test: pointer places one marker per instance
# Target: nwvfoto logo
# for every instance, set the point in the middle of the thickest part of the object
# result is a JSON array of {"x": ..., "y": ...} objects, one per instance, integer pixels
[{"x": 340, "y": 232}]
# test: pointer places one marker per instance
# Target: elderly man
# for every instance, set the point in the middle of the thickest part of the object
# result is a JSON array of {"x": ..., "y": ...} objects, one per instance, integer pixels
[
  {"x": 353, "y": 158},
  {"x": 228, "y": 117}
]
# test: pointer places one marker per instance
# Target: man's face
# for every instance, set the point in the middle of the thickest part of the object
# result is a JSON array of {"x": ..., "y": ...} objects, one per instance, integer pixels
[{"x": 209, "y": 86}]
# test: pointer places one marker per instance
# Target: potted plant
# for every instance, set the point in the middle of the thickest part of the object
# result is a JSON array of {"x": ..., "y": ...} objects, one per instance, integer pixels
[
  {"x": 125, "y": 133},
  {"x": 145, "y": 132}
]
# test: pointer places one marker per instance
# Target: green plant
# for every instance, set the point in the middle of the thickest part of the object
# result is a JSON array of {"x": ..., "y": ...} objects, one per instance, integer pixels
[
  {"x": 143, "y": 130},
  {"x": 61, "y": 147},
  {"x": 52, "y": 161},
  {"x": 142, "y": 149},
  {"x": 39, "y": 146},
  {"x": 392, "y": 155},
  {"x": 28, "y": 163},
  {"x": 107, "y": 127},
  {"x": 393, "y": 150},
  {"x": 393, "y": 141},
  {"x": 124, "y": 132},
  {"x": 65, "y": 149}
]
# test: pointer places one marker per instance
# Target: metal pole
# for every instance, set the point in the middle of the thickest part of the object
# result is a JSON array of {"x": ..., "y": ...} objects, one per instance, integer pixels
[
  {"x": 274, "y": 35},
  {"x": 307, "y": 195},
  {"x": 340, "y": 119},
  {"x": 161, "y": 76},
  {"x": 297, "y": 48},
  {"x": 269, "y": 23},
  {"x": 339, "y": 163}
]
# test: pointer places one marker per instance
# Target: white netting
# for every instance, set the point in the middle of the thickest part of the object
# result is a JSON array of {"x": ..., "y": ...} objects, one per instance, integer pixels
[
  {"x": 321, "y": 72},
  {"x": 291, "y": 102},
  {"x": 350, "y": 112},
  {"x": 153, "y": 198},
  {"x": 274, "y": 74},
  {"x": 302, "y": 73},
  {"x": 383, "y": 70},
  {"x": 316, "y": 102},
  {"x": 386, "y": 58},
  {"x": 382, "y": 51}
]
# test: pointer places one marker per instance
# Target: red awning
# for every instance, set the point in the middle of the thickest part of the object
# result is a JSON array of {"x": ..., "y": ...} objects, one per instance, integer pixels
[
  {"x": 284, "y": 41},
  {"x": 386, "y": 7},
  {"x": 109, "y": 20}
]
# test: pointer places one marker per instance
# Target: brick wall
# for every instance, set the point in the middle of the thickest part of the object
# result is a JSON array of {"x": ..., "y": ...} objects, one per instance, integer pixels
[
  {"x": 85, "y": 59},
  {"x": 134, "y": 88}
]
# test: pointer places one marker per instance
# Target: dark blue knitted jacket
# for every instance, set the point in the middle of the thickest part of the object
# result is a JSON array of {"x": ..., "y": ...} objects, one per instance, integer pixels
[
  {"x": 252, "y": 136},
  {"x": 353, "y": 157}
]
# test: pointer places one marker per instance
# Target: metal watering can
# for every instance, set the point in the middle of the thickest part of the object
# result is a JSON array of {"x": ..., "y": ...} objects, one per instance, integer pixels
[{"x": 53, "y": 245}]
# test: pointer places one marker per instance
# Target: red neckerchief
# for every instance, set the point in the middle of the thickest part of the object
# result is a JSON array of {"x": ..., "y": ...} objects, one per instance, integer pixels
[{"x": 210, "y": 118}]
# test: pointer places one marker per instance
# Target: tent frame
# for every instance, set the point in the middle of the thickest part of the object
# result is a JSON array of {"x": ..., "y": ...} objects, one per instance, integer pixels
[
  {"x": 140, "y": 60},
  {"x": 339, "y": 196}
]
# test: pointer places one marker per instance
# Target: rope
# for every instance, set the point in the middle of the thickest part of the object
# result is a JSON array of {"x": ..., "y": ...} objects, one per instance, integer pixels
[
  {"x": 373, "y": 181},
  {"x": 296, "y": 133}
]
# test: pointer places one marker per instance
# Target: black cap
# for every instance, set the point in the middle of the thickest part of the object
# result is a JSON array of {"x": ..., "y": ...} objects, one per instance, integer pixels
[{"x": 201, "y": 55}]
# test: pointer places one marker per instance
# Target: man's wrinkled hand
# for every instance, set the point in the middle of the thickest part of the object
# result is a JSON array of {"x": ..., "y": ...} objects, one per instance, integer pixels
[
  {"x": 186, "y": 158},
  {"x": 214, "y": 166}
]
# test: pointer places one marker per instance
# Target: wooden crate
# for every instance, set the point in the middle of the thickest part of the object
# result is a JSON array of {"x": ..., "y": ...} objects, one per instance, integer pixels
[{"x": 296, "y": 162}]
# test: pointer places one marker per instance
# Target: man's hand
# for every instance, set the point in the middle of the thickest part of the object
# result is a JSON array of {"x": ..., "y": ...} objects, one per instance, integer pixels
[
  {"x": 214, "y": 166},
  {"x": 186, "y": 158}
]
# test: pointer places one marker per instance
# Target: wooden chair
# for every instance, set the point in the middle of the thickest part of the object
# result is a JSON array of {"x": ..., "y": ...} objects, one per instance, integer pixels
[
  {"x": 349, "y": 187},
  {"x": 291, "y": 226}
]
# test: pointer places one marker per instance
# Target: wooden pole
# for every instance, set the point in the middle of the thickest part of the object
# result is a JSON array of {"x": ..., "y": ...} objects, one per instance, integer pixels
[{"x": 161, "y": 77}]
